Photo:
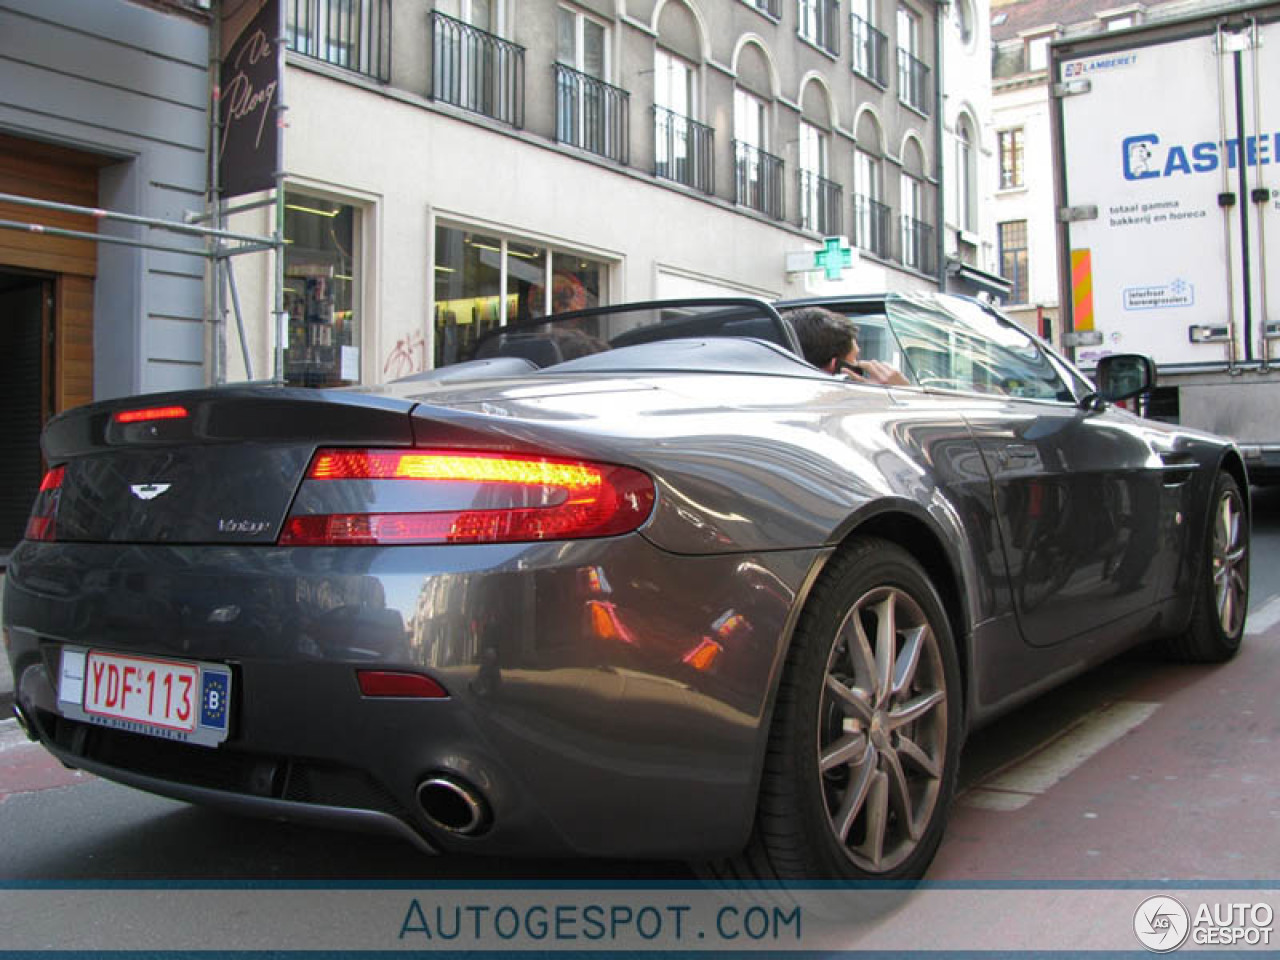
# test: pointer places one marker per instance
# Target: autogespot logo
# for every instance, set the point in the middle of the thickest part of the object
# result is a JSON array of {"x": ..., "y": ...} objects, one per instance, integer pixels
[{"x": 1162, "y": 924}]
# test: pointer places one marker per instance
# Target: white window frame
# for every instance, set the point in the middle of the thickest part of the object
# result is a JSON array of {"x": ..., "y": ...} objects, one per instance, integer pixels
[
  {"x": 750, "y": 119},
  {"x": 965, "y": 179},
  {"x": 580, "y": 46}
]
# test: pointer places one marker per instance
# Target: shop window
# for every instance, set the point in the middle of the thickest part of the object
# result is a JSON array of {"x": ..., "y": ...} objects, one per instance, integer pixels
[
  {"x": 483, "y": 282},
  {"x": 321, "y": 292}
]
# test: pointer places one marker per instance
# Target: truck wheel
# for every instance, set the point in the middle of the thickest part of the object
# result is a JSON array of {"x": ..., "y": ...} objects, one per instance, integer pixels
[
  {"x": 862, "y": 755},
  {"x": 1222, "y": 583}
]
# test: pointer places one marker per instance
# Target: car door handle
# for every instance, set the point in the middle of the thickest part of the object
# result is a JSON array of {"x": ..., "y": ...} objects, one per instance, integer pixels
[{"x": 1016, "y": 455}]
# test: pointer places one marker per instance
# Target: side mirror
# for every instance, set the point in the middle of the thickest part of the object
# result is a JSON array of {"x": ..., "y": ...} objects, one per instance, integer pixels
[{"x": 1125, "y": 375}]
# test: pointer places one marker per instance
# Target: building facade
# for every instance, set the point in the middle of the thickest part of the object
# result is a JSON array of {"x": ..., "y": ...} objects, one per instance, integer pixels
[
  {"x": 458, "y": 164},
  {"x": 453, "y": 165}
]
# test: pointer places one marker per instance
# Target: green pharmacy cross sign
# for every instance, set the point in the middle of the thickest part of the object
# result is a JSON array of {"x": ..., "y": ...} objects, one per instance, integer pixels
[{"x": 834, "y": 258}]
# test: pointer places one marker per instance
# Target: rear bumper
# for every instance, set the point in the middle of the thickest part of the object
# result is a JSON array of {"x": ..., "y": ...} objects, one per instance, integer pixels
[{"x": 575, "y": 708}]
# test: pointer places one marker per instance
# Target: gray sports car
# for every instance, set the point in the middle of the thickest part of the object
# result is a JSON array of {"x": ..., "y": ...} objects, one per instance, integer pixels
[{"x": 637, "y": 581}]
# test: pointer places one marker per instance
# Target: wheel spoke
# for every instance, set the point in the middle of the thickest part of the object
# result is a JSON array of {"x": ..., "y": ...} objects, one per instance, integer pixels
[
  {"x": 852, "y": 702},
  {"x": 877, "y": 819},
  {"x": 1226, "y": 603},
  {"x": 855, "y": 797},
  {"x": 849, "y": 749},
  {"x": 899, "y": 792},
  {"x": 886, "y": 648},
  {"x": 859, "y": 650},
  {"x": 912, "y": 751},
  {"x": 909, "y": 658},
  {"x": 914, "y": 709},
  {"x": 1226, "y": 527}
]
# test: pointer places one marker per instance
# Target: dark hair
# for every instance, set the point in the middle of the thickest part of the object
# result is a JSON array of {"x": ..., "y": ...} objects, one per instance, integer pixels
[{"x": 824, "y": 335}]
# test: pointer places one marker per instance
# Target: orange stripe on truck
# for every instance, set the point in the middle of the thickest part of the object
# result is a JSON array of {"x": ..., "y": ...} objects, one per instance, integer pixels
[{"x": 1082, "y": 289}]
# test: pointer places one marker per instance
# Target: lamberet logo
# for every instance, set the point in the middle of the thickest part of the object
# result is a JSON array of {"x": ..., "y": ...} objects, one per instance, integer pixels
[
  {"x": 1162, "y": 924},
  {"x": 1079, "y": 68}
]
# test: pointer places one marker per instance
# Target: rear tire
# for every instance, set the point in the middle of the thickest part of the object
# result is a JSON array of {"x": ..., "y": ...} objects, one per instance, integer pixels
[
  {"x": 862, "y": 755},
  {"x": 1221, "y": 598}
]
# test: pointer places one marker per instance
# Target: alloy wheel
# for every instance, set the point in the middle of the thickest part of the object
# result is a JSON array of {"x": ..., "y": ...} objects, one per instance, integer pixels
[
  {"x": 882, "y": 736},
  {"x": 1230, "y": 563}
]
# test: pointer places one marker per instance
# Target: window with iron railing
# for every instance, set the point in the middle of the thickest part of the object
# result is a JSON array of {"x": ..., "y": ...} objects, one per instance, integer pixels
[
  {"x": 684, "y": 150},
  {"x": 352, "y": 34},
  {"x": 913, "y": 82},
  {"x": 592, "y": 115},
  {"x": 870, "y": 51},
  {"x": 917, "y": 245},
  {"x": 476, "y": 70},
  {"x": 871, "y": 225},
  {"x": 819, "y": 23},
  {"x": 820, "y": 201},
  {"x": 758, "y": 180}
]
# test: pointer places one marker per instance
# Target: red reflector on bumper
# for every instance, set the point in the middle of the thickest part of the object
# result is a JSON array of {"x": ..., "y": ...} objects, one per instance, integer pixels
[{"x": 387, "y": 683}]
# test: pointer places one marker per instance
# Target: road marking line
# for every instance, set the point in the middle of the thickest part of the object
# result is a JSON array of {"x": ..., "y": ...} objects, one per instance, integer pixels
[
  {"x": 1263, "y": 618},
  {"x": 1026, "y": 778},
  {"x": 1001, "y": 800}
]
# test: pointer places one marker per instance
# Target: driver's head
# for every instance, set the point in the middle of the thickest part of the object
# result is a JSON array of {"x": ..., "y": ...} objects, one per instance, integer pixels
[{"x": 826, "y": 338}]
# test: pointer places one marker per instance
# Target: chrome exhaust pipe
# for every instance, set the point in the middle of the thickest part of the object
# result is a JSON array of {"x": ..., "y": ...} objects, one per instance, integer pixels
[
  {"x": 453, "y": 805},
  {"x": 24, "y": 722}
]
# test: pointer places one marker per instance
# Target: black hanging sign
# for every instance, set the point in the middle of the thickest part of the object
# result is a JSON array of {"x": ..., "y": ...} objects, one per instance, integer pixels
[{"x": 249, "y": 150}]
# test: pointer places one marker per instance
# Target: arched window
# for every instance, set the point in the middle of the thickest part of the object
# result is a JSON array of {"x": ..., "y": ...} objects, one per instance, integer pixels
[
  {"x": 916, "y": 232},
  {"x": 870, "y": 212},
  {"x": 965, "y": 176},
  {"x": 683, "y": 147},
  {"x": 757, "y": 172},
  {"x": 820, "y": 195}
]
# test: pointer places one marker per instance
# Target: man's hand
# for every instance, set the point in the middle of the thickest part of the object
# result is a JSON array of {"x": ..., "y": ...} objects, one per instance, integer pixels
[{"x": 874, "y": 371}]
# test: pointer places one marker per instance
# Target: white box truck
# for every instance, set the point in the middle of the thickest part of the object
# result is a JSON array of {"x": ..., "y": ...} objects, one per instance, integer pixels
[{"x": 1167, "y": 156}]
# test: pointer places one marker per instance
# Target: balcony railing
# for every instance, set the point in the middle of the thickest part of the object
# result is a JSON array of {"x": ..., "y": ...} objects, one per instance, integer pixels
[
  {"x": 871, "y": 221},
  {"x": 354, "y": 36},
  {"x": 870, "y": 51},
  {"x": 592, "y": 115},
  {"x": 758, "y": 180},
  {"x": 917, "y": 245},
  {"x": 684, "y": 150},
  {"x": 819, "y": 23},
  {"x": 476, "y": 70},
  {"x": 820, "y": 201},
  {"x": 913, "y": 82}
]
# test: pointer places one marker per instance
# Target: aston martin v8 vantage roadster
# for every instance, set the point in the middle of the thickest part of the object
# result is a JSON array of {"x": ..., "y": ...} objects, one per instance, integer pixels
[{"x": 634, "y": 581}]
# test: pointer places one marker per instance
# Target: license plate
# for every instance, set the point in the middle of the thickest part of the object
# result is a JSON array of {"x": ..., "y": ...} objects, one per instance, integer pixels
[{"x": 180, "y": 700}]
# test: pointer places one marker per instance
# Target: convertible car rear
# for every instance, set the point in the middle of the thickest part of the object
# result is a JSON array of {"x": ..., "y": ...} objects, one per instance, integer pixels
[{"x": 634, "y": 582}]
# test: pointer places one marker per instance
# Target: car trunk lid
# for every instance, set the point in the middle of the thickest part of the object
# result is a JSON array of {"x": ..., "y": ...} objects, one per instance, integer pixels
[{"x": 215, "y": 466}]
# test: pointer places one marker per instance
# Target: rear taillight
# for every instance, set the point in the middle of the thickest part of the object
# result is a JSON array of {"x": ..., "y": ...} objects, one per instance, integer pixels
[
  {"x": 469, "y": 497},
  {"x": 41, "y": 524}
]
